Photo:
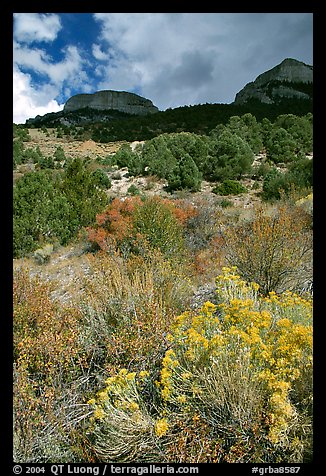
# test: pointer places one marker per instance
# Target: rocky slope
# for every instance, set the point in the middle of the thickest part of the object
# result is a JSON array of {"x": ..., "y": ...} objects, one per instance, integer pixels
[
  {"x": 122, "y": 101},
  {"x": 289, "y": 79}
]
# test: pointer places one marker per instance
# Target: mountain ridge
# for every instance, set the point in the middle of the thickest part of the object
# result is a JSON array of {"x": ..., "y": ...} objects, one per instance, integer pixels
[
  {"x": 286, "y": 88},
  {"x": 285, "y": 80},
  {"x": 103, "y": 100}
]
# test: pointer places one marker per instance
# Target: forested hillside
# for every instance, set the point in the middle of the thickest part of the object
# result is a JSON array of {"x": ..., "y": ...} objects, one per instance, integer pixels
[
  {"x": 74, "y": 189},
  {"x": 112, "y": 125}
]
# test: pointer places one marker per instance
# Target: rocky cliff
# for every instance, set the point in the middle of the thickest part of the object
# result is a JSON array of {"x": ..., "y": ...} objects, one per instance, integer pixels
[
  {"x": 289, "y": 79},
  {"x": 122, "y": 101}
]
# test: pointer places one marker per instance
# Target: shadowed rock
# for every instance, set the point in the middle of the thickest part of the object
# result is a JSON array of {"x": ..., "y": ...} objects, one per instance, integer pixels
[{"x": 289, "y": 79}]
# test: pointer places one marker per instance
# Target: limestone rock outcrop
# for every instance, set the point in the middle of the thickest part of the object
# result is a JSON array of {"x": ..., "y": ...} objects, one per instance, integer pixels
[
  {"x": 129, "y": 103},
  {"x": 289, "y": 79}
]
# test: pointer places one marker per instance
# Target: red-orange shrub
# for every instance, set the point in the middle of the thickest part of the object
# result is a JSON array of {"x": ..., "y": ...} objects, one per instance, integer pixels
[
  {"x": 115, "y": 224},
  {"x": 123, "y": 221}
]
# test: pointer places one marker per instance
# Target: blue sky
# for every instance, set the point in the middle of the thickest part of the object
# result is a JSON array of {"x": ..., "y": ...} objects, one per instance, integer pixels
[{"x": 174, "y": 59}]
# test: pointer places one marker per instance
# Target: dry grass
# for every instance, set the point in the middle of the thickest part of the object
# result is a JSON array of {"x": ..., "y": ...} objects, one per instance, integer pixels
[{"x": 128, "y": 307}]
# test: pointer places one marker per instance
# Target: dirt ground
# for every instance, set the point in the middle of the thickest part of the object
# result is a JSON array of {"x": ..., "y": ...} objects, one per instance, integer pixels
[{"x": 75, "y": 148}]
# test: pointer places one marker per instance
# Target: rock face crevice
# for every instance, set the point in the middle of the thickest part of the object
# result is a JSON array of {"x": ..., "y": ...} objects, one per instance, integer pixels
[
  {"x": 129, "y": 103},
  {"x": 289, "y": 79}
]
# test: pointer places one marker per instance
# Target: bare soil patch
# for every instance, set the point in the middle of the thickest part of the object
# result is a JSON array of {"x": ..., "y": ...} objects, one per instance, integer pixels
[
  {"x": 73, "y": 148},
  {"x": 64, "y": 272}
]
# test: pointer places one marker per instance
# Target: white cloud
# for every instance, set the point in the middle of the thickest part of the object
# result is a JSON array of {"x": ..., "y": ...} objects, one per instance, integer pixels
[
  {"x": 166, "y": 56},
  {"x": 39, "y": 78},
  {"x": 37, "y": 60},
  {"x": 70, "y": 68},
  {"x": 186, "y": 58},
  {"x": 32, "y": 98},
  {"x": 32, "y": 58},
  {"x": 30, "y": 102},
  {"x": 29, "y": 27},
  {"x": 98, "y": 53}
]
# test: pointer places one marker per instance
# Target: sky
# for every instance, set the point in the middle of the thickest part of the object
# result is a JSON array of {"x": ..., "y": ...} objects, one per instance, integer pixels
[{"x": 173, "y": 59}]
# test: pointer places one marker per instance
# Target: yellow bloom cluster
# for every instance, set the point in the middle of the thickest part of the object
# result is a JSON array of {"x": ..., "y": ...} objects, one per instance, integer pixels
[
  {"x": 231, "y": 285},
  {"x": 169, "y": 363},
  {"x": 120, "y": 380},
  {"x": 120, "y": 393},
  {"x": 182, "y": 398},
  {"x": 281, "y": 411},
  {"x": 273, "y": 334},
  {"x": 265, "y": 341},
  {"x": 99, "y": 413},
  {"x": 161, "y": 427},
  {"x": 143, "y": 374},
  {"x": 208, "y": 308},
  {"x": 196, "y": 341}
]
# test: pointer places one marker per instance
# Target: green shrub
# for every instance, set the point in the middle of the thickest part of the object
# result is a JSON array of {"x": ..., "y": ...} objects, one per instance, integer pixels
[
  {"x": 59, "y": 154},
  {"x": 101, "y": 179},
  {"x": 125, "y": 157},
  {"x": 280, "y": 146},
  {"x": 133, "y": 190},
  {"x": 248, "y": 129},
  {"x": 158, "y": 158},
  {"x": 255, "y": 185},
  {"x": 45, "y": 163},
  {"x": 230, "y": 157},
  {"x": 80, "y": 187},
  {"x": 229, "y": 187},
  {"x": 20, "y": 132},
  {"x": 275, "y": 183},
  {"x": 300, "y": 128},
  {"x": 156, "y": 222},
  {"x": 43, "y": 255},
  {"x": 225, "y": 203},
  {"x": 298, "y": 176},
  {"x": 52, "y": 206},
  {"x": 177, "y": 157},
  {"x": 185, "y": 175},
  {"x": 41, "y": 212},
  {"x": 18, "y": 152},
  {"x": 108, "y": 160},
  {"x": 262, "y": 170},
  {"x": 300, "y": 172}
]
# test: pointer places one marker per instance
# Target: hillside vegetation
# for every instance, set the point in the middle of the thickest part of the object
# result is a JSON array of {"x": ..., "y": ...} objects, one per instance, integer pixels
[
  {"x": 163, "y": 291},
  {"x": 113, "y": 125},
  {"x": 74, "y": 190}
]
